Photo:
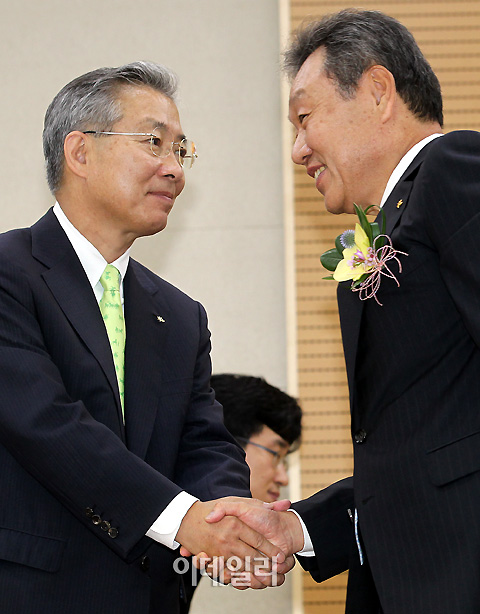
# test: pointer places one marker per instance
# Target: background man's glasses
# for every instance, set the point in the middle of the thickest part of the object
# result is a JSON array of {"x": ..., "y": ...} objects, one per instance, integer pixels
[
  {"x": 161, "y": 146},
  {"x": 277, "y": 458}
]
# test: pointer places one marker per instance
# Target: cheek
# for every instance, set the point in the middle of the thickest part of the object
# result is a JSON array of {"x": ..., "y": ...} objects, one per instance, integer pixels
[{"x": 259, "y": 467}]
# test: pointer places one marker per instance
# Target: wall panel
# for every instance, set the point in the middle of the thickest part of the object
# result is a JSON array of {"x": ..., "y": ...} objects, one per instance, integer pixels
[{"x": 448, "y": 33}]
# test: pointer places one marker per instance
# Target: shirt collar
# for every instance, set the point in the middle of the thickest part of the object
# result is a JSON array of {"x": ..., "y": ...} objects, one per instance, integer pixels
[
  {"x": 404, "y": 164},
  {"x": 91, "y": 259}
]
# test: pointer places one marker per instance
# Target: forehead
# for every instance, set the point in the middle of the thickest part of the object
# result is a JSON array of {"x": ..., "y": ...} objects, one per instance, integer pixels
[
  {"x": 144, "y": 108},
  {"x": 309, "y": 78},
  {"x": 271, "y": 438}
]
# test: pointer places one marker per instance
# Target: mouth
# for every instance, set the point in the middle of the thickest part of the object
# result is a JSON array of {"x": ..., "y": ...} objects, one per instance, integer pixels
[
  {"x": 163, "y": 194},
  {"x": 274, "y": 495},
  {"x": 319, "y": 171},
  {"x": 318, "y": 176},
  {"x": 168, "y": 198}
]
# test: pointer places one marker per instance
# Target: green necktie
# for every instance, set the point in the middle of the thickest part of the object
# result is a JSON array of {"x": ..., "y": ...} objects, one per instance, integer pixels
[{"x": 112, "y": 312}]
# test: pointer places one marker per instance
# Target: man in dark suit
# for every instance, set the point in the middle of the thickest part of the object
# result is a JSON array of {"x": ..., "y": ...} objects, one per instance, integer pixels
[
  {"x": 108, "y": 458},
  {"x": 367, "y": 110}
]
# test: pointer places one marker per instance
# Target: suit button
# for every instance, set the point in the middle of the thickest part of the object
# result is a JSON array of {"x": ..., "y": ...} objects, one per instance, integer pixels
[
  {"x": 112, "y": 532},
  {"x": 88, "y": 512},
  {"x": 145, "y": 563},
  {"x": 105, "y": 525},
  {"x": 96, "y": 519},
  {"x": 360, "y": 436}
]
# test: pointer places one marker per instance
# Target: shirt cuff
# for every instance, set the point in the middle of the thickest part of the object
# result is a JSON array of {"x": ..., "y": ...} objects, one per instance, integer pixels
[
  {"x": 307, "y": 549},
  {"x": 165, "y": 527}
]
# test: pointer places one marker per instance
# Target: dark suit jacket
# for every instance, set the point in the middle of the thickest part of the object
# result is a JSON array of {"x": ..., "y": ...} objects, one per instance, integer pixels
[
  {"x": 413, "y": 367},
  {"x": 78, "y": 490}
]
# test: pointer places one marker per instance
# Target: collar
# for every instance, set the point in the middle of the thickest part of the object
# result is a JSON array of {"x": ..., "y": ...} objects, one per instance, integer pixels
[
  {"x": 90, "y": 258},
  {"x": 405, "y": 163}
]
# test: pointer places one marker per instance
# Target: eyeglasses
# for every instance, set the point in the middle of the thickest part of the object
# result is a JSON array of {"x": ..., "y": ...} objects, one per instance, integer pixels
[
  {"x": 277, "y": 458},
  {"x": 161, "y": 145}
]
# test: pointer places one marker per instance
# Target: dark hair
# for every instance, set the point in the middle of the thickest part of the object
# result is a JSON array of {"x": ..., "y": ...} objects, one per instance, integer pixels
[
  {"x": 250, "y": 403},
  {"x": 354, "y": 40},
  {"x": 91, "y": 101}
]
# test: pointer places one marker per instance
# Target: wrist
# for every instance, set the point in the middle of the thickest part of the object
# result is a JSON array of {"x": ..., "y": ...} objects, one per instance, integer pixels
[{"x": 295, "y": 531}]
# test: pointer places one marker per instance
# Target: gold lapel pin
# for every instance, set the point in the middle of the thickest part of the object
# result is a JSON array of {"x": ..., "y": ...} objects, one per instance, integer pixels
[
  {"x": 160, "y": 319},
  {"x": 399, "y": 204}
]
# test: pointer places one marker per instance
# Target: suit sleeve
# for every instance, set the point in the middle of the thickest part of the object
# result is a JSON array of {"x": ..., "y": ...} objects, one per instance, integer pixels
[
  {"x": 326, "y": 516},
  {"x": 210, "y": 463}
]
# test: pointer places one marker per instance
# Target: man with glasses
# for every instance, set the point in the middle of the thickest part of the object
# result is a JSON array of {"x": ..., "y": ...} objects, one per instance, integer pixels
[
  {"x": 268, "y": 424},
  {"x": 111, "y": 442}
]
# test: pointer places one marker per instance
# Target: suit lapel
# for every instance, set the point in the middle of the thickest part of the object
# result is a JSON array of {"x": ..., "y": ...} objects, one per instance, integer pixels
[
  {"x": 350, "y": 308},
  {"x": 146, "y": 321},
  {"x": 397, "y": 202},
  {"x": 71, "y": 289},
  {"x": 349, "y": 304}
]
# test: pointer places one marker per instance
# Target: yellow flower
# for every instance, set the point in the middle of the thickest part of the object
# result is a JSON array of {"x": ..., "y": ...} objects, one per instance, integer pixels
[{"x": 357, "y": 260}]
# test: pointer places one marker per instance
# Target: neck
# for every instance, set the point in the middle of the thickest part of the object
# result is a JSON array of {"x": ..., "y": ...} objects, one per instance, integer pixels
[
  {"x": 397, "y": 143},
  {"x": 103, "y": 237}
]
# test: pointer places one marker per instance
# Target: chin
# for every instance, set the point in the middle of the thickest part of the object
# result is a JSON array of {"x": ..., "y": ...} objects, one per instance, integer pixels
[
  {"x": 155, "y": 228},
  {"x": 338, "y": 206}
]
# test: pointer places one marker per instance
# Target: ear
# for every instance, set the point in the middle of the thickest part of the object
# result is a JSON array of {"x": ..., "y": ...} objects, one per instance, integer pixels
[
  {"x": 75, "y": 152},
  {"x": 381, "y": 84}
]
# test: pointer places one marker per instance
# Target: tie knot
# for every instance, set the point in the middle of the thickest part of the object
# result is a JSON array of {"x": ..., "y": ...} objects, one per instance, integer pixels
[{"x": 110, "y": 279}]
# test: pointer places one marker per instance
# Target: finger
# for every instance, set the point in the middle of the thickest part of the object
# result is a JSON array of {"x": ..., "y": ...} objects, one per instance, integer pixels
[
  {"x": 200, "y": 561},
  {"x": 285, "y": 567},
  {"x": 261, "y": 543},
  {"x": 232, "y": 506},
  {"x": 184, "y": 551},
  {"x": 247, "y": 580},
  {"x": 217, "y": 570},
  {"x": 279, "y": 506},
  {"x": 237, "y": 539}
]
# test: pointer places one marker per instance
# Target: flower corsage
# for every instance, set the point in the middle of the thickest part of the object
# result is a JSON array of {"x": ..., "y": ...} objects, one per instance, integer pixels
[{"x": 363, "y": 256}]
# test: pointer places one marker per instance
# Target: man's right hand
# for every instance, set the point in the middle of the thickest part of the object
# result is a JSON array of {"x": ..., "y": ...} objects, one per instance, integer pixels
[
  {"x": 225, "y": 536},
  {"x": 281, "y": 528}
]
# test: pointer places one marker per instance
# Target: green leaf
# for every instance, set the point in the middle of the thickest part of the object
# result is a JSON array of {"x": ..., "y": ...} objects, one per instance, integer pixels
[
  {"x": 355, "y": 284},
  {"x": 328, "y": 277},
  {"x": 338, "y": 245},
  {"x": 384, "y": 221},
  {"x": 330, "y": 259},
  {"x": 364, "y": 223},
  {"x": 376, "y": 233}
]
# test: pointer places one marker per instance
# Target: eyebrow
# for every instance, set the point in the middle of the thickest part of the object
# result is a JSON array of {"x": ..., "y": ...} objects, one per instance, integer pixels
[
  {"x": 297, "y": 94},
  {"x": 282, "y": 443}
]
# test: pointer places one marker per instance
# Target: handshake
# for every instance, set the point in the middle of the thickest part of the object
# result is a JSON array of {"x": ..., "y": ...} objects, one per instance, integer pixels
[{"x": 229, "y": 537}]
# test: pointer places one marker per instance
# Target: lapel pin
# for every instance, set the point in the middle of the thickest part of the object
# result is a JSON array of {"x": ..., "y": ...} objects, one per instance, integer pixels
[
  {"x": 160, "y": 319},
  {"x": 399, "y": 204}
]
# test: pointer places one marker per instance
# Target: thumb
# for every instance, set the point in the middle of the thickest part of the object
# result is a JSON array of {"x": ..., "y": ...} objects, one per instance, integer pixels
[
  {"x": 216, "y": 514},
  {"x": 279, "y": 506}
]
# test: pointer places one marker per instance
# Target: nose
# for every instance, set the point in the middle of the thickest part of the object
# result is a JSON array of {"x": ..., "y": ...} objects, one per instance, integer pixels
[
  {"x": 300, "y": 149},
  {"x": 281, "y": 475},
  {"x": 170, "y": 166}
]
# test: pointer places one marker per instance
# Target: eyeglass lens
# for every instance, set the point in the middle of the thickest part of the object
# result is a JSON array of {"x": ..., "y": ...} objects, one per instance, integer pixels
[{"x": 162, "y": 144}]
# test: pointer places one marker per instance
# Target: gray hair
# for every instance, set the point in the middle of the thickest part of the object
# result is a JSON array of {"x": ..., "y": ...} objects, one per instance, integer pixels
[
  {"x": 354, "y": 40},
  {"x": 91, "y": 102}
]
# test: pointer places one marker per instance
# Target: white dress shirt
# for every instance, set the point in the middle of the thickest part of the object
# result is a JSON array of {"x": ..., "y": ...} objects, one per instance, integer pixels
[{"x": 165, "y": 528}]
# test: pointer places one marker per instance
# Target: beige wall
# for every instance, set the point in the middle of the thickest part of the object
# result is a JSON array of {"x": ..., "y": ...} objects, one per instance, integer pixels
[{"x": 224, "y": 241}]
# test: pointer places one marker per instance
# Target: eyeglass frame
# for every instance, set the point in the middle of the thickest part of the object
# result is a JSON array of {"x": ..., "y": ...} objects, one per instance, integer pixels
[
  {"x": 278, "y": 459},
  {"x": 152, "y": 136}
]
